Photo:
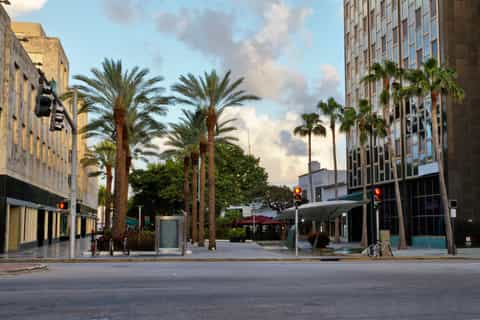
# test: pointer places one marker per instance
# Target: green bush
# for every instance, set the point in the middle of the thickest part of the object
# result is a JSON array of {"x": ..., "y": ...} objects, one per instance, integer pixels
[
  {"x": 323, "y": 239},
  {"x": 237, "y": 233}
]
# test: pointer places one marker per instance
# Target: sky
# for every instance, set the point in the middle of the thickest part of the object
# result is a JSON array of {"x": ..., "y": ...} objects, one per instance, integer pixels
[{"x": 290, "y": 53}]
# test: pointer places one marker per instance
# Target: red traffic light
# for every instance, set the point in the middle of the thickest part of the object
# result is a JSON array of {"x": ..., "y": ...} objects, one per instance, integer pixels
[
  {"x": 297, "y": 191},
  {"x": 62, "y": 205},
  {"x": 377, "y": 192}
]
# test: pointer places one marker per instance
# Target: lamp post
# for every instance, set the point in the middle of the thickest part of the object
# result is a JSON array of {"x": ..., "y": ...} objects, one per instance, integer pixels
[{"x": 139, "y": 217}]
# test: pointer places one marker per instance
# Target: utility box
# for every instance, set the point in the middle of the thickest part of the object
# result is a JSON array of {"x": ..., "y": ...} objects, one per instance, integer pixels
[{"x": 169, "y": 235}]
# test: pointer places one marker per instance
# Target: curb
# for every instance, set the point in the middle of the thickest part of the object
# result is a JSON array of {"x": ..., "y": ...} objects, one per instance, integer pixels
[
  {"x": 212, "y": 260},
  {"x": 38, "y": 267}
]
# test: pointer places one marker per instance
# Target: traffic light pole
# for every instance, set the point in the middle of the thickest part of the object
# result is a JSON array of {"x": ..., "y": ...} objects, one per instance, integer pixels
[
  {"x": 73, "y": 180},
  {"x": 296, "y": 229}
]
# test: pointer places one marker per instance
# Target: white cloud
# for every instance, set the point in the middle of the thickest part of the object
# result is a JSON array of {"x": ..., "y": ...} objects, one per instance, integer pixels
[
  {"x": 281, "y": 153},
  {"x": 20, "y": 7},
  {"x": 256, "y": 56},
  {"x": 124, "y": 11}
]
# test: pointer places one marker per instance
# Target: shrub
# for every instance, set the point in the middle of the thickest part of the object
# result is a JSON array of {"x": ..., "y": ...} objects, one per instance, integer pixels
[
  {"x": 141, "y": 241},
  {"x": 323, "y": 239},
  {"x": 237, "y": 233}
]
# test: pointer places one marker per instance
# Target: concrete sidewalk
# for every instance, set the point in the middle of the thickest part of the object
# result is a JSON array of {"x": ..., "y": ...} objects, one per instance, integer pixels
[{"x": 13, "y": 268}]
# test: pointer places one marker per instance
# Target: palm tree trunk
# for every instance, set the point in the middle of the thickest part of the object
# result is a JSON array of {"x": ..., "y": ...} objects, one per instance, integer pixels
[
  {"x": 194, "y": 197},
  {"x": 120, "y": 176},
  {"x": 335, "y": 177},
  {"x": 441, "y": 174},
  {"x": 108, "y": 196},
  {"x": 211, "y": 122},
  {"x": 186, "y": 191},
  {"x": 402, "y": 244},
  {"x": 364, "y": 241},
  {"x": 201, "y": 210},
  {"x": 312, "y": 198}
]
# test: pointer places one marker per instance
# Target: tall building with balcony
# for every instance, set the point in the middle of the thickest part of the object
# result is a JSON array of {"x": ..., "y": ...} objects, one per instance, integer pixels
[
  {"x": 35, "y": 163},
  {"x": 408, "y": 32}
]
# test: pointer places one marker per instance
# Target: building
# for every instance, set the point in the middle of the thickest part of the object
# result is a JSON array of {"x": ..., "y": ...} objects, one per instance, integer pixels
[
  {"x": 409, "y": 32},
  {"x": 35, "y": 162},
  {"x": 323, "y": 181}
]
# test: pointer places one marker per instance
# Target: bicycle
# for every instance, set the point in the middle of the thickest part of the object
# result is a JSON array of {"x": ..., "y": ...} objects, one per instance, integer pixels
[{"x": 380, "y": 249}]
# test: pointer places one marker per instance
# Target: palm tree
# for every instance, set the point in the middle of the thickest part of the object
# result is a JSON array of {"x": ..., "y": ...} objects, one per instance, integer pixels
[
  {"x": 365, "y": 121},
  {"x": 312, "y": 125},
  {"x": 216, "y": 94},
  {"x": 437, "y": 81},
  {"x": 102, "y": 157},
  {"x": 385, "y": 72},
  {"x": 112, "y": 94},
  {"x": 333, "y": 111},
  {"x": 187, "y": 140}
]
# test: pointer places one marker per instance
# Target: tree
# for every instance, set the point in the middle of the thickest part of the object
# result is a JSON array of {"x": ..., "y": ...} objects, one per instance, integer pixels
[
  {"x": 385, "y": 72},
  {"x": 436, "y": 81},
  {"x": 187, "y": 139},
  {"x": 156, "y": 188},
  {"x": 216, "y": 94},
  {"x": 278, "y": 198},
  {"x": 365, "y": 121},
  {"x": 312, "y": 125},
  {"x": 333, "y": 111},
  {"x": 112, "y": 94},
  {"x": 102, "y": 157}
]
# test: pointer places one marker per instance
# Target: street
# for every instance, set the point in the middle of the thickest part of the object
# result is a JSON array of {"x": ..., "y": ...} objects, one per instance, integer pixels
[{"x": 324, "y": 290}]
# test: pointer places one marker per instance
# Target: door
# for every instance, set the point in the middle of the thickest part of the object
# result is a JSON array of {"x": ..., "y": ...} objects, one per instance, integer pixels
[
  {"x": 14, "y": 228},
  {"x": 40, "y": 227}
]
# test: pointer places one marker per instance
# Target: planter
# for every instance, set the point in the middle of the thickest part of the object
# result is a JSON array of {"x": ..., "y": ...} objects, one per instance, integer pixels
[{"x": 237, "y": 239}]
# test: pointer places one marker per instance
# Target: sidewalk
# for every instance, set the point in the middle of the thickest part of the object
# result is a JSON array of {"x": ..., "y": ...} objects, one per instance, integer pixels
[{"x": 13, "y": 268}]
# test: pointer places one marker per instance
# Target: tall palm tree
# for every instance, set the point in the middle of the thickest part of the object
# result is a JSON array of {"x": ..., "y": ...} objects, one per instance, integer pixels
[
  {"x": 102, "y": 157},
  {"x": 187, "y": 139},
  {"x": 364, "y": 121},
  {"x": 435, "y": 81},
  {"x": 312, "y": 125},
  {"x": 216, "y": 93},
  {"x": 111, "y": 93},
  {"x": 386, "y": 72},
  {"x": 333, "y": 111}
]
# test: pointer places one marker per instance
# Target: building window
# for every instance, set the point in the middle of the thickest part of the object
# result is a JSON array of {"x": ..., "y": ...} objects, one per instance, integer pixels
[
  {"x": 364, "y": 24},
  {"x": 32, "y": 144},
  {"x": 24, "y": 138},
  {"x": 395, "y": 35},
  {"x": 347, "y": 9},
  {"x": 382, "y": 9},
  {"x": 433, "y": 8},
  {"x": 318, "y": 194},
  {"x": 355, "y": 35},
  {"x": 365, "y": 58},
  {"x": 373, "y": 52},
  {"x": 348, "y": 71},
  {"x": 405, "y": 30},
  {"x": 418, "y": 19},
  {"x": 372, "y": 20},
  {"x": 419, "y": 58},
  {"x": 356, "y": 66},
  {"x": 384, "y": 45},
  {"x": 434, "y": 49}
]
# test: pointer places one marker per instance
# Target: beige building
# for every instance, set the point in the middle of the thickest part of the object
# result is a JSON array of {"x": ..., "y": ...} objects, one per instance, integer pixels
[{"x": 34, "y": 161}]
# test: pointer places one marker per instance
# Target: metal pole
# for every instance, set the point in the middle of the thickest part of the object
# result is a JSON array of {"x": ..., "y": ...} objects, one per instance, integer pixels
[
  {"x": 377, "y": 214},
  {"x": 296, "y": 231},
  {"x": 73, "y": 179},
  {"x": 254, "y": 229},
  {"x": 139, "y": 217}
]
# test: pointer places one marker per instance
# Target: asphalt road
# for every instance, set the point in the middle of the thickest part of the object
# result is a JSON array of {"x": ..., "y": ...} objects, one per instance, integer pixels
[{"x": 325, "y": 290}]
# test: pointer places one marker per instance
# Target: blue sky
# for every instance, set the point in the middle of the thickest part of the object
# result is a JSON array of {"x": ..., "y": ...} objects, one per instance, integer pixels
[{"x": 291, "y": 53}]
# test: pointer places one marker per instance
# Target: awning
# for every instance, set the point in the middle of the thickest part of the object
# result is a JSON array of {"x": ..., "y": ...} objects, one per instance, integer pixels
[
  {"x": 355, "y": 196},
  {"x": 320, "y": 211}
]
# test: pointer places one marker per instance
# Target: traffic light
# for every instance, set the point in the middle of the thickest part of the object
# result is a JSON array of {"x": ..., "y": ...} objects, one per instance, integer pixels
[
  {"x": 58, "y": 117},
  {"x": 377, "y": 196},
  {"x": 62, "y": 205},
  {"x": 44, "y": 100},
  {"x": 297, "y": 195}
]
